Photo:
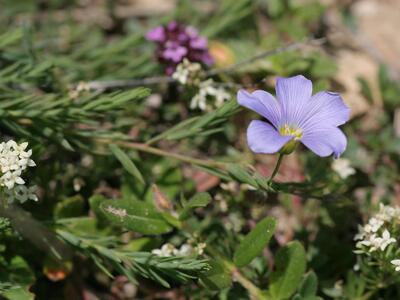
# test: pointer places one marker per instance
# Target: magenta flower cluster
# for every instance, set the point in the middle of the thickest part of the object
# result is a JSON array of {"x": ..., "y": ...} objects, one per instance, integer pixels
[{"x": 175, "y": 42}]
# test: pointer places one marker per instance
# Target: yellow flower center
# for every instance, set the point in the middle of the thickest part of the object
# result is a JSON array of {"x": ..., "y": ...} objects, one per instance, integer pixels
[{"x": 288, "y": 130}]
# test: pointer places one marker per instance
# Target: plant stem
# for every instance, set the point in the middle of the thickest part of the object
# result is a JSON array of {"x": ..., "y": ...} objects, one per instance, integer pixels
[
  {"x": 156, "y": 151},
  {"x": 277, "y": 166},
  {"x": 130, "y": 83},
  {"x": 254, "y": 292}
]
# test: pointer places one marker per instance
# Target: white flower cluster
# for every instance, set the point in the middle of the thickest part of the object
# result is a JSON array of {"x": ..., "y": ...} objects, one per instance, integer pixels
[
  {"x": 76, "y": 91},
  {"x": 22, "y": 194},
  {"x": 343, "y": 168},
  {"x": 209, "y": 90},
  {"x": 186, "y": 249},
  {"x": 377, "y": 234},
  {"x": 14, "y": 159},
  {"x": 188, "y": 73},
  {"x": 192, "y": 74}
]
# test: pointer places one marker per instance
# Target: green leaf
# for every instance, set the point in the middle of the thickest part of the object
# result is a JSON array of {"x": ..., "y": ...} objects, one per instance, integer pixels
[
  {"x": 241, "y": 174},
  {"x": 126, "y": 162},
  {"x": 20, "y": 277},
  {"x": 217, "y": 278},
  {"x": 135, "y": 215},
  {"x": 170, "y": 219},
  {"x": 309, "y": 286},
  {"x": 95, "y": 202},
  {"x": 290, "y": 267},
  {"x": 69, "y": 207},
  {"x": 141, "y": 244},
  {"x": 199, "y": 200},
  {"x": 10, "y": 37},
  {"x": 254, "y": 243}
]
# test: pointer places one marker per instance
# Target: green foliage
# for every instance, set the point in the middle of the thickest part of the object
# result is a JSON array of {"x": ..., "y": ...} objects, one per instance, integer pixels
[
  {"x": 81, "y": 84},
  {"x": 127, "y": 163},
  {"x": 217, "y": 278},
  {"x": 229, "y": 12},
  {"x": 242, "y": 175},
  {"x": 390, "y": 90},
  {"x": 308, "y": 289},
  {"x": 290, "y": 267},
  {"x": 199, "y": 125},
  {"x": 159, "y": 269},
  {"x": 15, "y": 279},
  {"x": 254, "y": 243},
  {"x": 198, "y": 200},
  {"x": 4, "y": 224},
  {"x": 135, "y": 215},
  {"x": 69, "y": 207}
]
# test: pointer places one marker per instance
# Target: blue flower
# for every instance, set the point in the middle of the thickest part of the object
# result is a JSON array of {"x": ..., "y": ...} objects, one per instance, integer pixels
[{"x": 296, "y": 116}]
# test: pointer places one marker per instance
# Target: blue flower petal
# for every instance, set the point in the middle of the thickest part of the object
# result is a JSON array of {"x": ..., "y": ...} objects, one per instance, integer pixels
[
  {"x": 325, "y": 108},
  {"x": 261, "y": 102},
  {"x": 293, "y": 94},
  {"x": 264, "y": 138},
  {"x": 325, "y": 140}
]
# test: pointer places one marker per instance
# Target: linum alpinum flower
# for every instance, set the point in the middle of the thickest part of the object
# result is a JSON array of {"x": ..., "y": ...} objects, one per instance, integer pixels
[{"x": 295, "y": 115}]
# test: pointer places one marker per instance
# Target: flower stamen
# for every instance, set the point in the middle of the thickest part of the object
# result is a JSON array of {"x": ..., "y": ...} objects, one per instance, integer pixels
[{"x": 291, "y": 131}]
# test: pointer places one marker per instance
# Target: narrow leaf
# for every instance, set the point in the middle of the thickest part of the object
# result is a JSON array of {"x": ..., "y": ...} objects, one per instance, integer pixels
[
  {"x": 126, "y": 162},
  {"x": 241, "y": 174}
]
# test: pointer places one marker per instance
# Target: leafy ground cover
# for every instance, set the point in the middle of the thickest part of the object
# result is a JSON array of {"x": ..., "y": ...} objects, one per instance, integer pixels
[{"x": 128, "y": 170}]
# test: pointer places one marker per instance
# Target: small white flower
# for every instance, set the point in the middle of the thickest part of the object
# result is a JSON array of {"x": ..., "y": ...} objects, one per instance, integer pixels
[
  {"x": 199, "y": 101},
  {"x": 356, "y": 267},
  {"x": 200, "y": 248},
  {"x": 13, "y": 160},
  {"x": 21, "y": 193},
  {"x": 165, "y": 251},
  {"x": 10, "y": 178},
  {"x": 361, "y": 233},
  {"x": 342, "y": 167},
  {"x": 388, "y": 213},
  {"x": 396, "y": 263},
  {"x": 373, "y": 225},
  {"x": 368, "y": 242},
  {"x": 386, "y": 240},
  {"x": 208, "y": 91},
  {"x": 185, "y": 250},
  {"x": 188, "y": 73},
  {"x": 375, "y": 242}
]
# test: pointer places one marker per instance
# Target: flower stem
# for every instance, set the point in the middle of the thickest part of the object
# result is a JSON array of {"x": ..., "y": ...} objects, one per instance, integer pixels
[{"x": 277, "y": 166}]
